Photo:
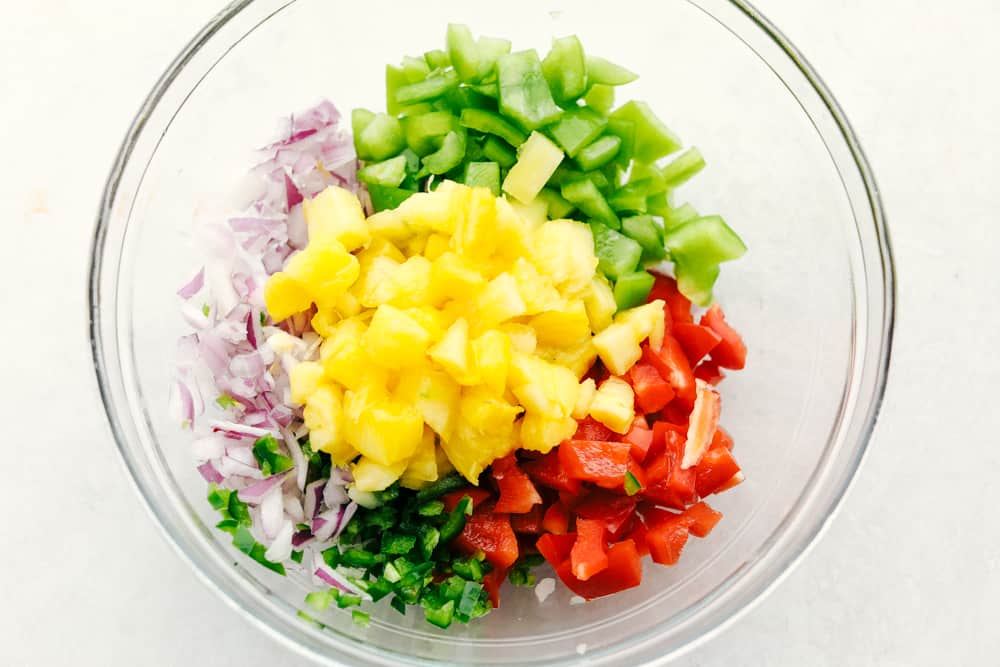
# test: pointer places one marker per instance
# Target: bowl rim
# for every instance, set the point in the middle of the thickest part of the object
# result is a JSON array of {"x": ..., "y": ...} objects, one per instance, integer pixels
[{"x": 805, "y": 543}]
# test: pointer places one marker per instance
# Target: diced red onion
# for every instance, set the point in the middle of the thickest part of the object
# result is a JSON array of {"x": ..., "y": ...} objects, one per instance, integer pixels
[
  {"x": 298, "y": 234},
  {"x": 209, "y": 472},
  {"x": 334, "y": 492},
  {"x": 281, "y": 547},
  {"x": 299, "y": 459},
  {"x": 239, "y": 431},
  {"x": 326, "y": 524},
  {"x": 257, "y": 493},
  {"x": 302, "y": 538},
  {"x": 313, "y": 495},
  {"x": 292, "y": 195},
  {"x": 345, "y": 518},
  {"x": 229, "y": 467},
  {"x": 293, "y": 508},
  {"x": 334, "y": 578},
  {"x": 272, "y": 512},
  {"x": 195, "y": 316},
  {"x": 253, "y": 329},
  {"x": 193, "y": 286},
  {"x": 182, "y": 403},
  {"x": 211, "y": 446}
]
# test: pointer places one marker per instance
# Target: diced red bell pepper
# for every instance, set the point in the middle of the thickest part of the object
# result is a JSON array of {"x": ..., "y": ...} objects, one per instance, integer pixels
[
  {"x": 589, "y": 554},
  {"x": 716, "y": 468},
  {"x": 701, "y": 519},
  {"x": 491, "y": 533},
  {"x": 492, "y": 581},
  {"x": 735, "y": 480},
  {"x": 673, "y": 366},
  {"x": 624, "y": 571},
  {"x": 529, "y": 523},
  {"x": 710, "y": 372},
  {"x": 517, "y": 494},
  {"x": 638, "y": 534},
  {"x": 639, "y": 473},
  {"x": 549, "y": 471},
  {"x": 556, "y": 519},
  {"x": 731, "y": 352},
  {"x": 591, "y": 429},
  {"x": 604, "y": 463},
  {"x": 677, "y": 491},
  {"x": 556, "y": 548},
  {"x": 611, "y": 510},
  {"x": 677, "y": 414},
  {"x": 639, "y": 438},
  {"x": 696, "y": 339},
  {"x": 722, "y": 439},
  {"x": 478, "y": 496},
  {"x": 652, "y": 392},
  {"x": 666, "y": 452},
  {"x": 678, "y": 306},
  {"x": 666, "y": 535},
  {"x": 703, "y": 421}
]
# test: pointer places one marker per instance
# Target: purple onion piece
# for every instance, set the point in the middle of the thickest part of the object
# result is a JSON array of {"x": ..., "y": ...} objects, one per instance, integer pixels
[
  {"x": 257, "y": 492},
  {"x": 209, "y": 472},
  {"x": 193, "y": 286}
]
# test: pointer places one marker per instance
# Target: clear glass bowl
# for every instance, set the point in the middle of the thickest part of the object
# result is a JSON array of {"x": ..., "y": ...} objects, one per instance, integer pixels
[{"x": 813, "y": 297}]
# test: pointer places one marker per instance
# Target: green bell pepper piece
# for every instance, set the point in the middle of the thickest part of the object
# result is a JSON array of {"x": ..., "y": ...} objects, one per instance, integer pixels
[
  {"x": 360, "y": 119},
  {"x": 437, "y": 59},
  {"x": 695, "y": 282},
  {"x": 600, "y": 98},
  {"x": 415, "y": 69},
  {"x": 606, "y": 72},
  {"x": 467, "y": 97},
  {"x": 632, "y": 289},
  {"x": 490, "y": 50},
  {"x": 490, "y": 89},
  {"x": 489, "y": 122},
  {"x": 575, "y": 129},
  {"x": 674, "y": 217},
  {"x": 617, "y": 254},
  {"x": 390, "y": 172},
  {"x": 388, "y": 197},
  {"x": 483, "y": 174},
  {"x": 434, "y": 86},
  {"x": 463, "y": 52},
  {"x": 524, "y": 94},
  {"x": 630, "y": 197},
  {"x": 599, "y": 153},
  {"x": 585, "y": 196},
  {"x": 565, "y": 70},
  {"x": 650, "y": 175},
  {"x": 449, "y": 156},
  {"x": 556, "y": 206},
  {"x": 440, "y": 616},
  {"x": 653, "y": 139},
  {"x": 425, "y": 132},
  {"x": 395, "y": 79},
  {"x": 704, "y": 241},
  {"x": 600, "y": 181},
  {"x": 626, "y": 131},
  {"x": 497, "y": 150},
  {"x": 645, "y": 230},
  {"x": 683, "y": 167},
  {"x": 381, "y": 138}
]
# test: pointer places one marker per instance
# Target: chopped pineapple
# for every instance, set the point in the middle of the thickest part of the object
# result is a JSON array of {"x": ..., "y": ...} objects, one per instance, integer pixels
[
  {"x": 600, "y": 302},
  {"x": 454, "y": 277},
  {"x": 284, "y": 296},
  {"x": 578, "y": 358},
  {"x": 305, "y": 378},
  {"x": 564, "y": 251},
  {"x": 588, "y": 388},
  {"x": 563, "y": 326},
  {"x": 536, "y": 290},
  {"x": 614, "y": 405},
  {"x": 386, "y": 431},
  {"x": 540, "y": 433},
  {"x": 335, "y": 214},
  {"x": 372, "y": 476},
  {"x": 433, "y": 393},
  {"x": 422, "y": 467},
  {"x": 536, "y": 162},
  {"x": 491, "y": 353},
  {"x": 453, "y": 354},
  {"x": 618, "y": 348},
  {"x": 476, "y": 236},
  {"x": 437, "y": 245},
  {"x": 394, "y": 339},
  {"x": 323, "y": 416},
  {"x": 647, "y": 321},
  {"x": 498, "y": 302},
  {"x": 522, "y": 337}
]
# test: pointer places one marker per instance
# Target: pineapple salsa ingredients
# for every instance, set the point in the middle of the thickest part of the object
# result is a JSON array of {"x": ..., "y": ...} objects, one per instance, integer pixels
[{"x": 453, "y": 366}]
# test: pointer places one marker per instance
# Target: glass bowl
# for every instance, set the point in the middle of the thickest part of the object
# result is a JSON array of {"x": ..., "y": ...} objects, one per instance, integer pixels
[{"x": 813, "y": 297}]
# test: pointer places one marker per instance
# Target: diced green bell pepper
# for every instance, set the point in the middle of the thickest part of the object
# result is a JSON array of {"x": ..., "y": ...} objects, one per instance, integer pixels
[
  {"x": 650, "y": 174},
  {"x": 617, "y": 254},
  {"x": 437, "y": 59},
  {"x": 466, "y": 97},
  {"x": 585, "y": 196},
  {"x": 624, "y": 130},
  {"x": 683, "y": 167},
  {"x": 524, "y": 93},
  {"x": 490, "y": 50},
  {"x": 577, "y": 128},
  {"x": 381, "y": 137},
  {"x": 565, "y": 69},
  {"x": 483, "y": 174},
  {"x": 632, "y": 289},
  {"x": 678, "y": 216},
  {"x": 704, "y": 241},
  {"x": 389, "y": 172},
  {"x": 463, "y": 52},
  {"x": 658, "y": 204},
  {"x": 653, "y": 139},
  {"x": 440, "y": 616},
  {"x": 696, "y": 283},
  {"x": 606, "y": 72},
  {"x": 388, "y": 197},
  {"x": 629, "y": 198},
  {"x": 395, "y": 79},
  {"x": 490, "y": 122},
  {"x": 645, "y": 230},
  {"x": 415, "y": 69},
  {"x": 499, "y": 151},
  {"x": 430, "y": 88},
  {"x": 600, "y": 98},
  {"x": 424, "y": 133},
  {"x": 599, "y": 153},
  {"x": 556, "y": 206},
  {"x": 489, "y": 89},
  {"x": 449, "y": 156}
]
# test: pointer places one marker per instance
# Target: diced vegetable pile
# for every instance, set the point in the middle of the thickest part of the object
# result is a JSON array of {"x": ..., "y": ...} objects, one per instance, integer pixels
[{"x": 470, "y": 360}]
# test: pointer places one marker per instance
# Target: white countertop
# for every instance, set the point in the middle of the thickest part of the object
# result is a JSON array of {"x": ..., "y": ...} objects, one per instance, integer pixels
[{"x": 908, "y": 574}]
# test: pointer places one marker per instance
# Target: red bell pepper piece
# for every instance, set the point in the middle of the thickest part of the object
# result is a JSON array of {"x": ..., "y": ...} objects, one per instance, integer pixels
[
  {"x": 548, "y": 471},
  {"x": 589, "y": 554},
  {"x": 604, "y": 463},
  {"x": 639, "y": 475},
  {"x": 492, "y": 581},
  {"x": 613, "y": 511},
  {"x": 677, "y": 414},
  {"x": 665, "y": 453},
  {"x": 722, "y": 439},
  {"x": 517, "y": 494},
  {"x": 703, "y": 421},
  {"x": 556, "y": 519},
  {"x": 652, "y": 392},
  {"x": 701, "y": 519},
  {"x": 710, "y": 372},
  {"x": 556, "y": 548},
  {"x": 476, "y": 494},
  {"x": 717, "y": 467},
  {"x": 696, "y": 339},
  {"x": 639, "y": 438},
  {"x": 666, "y": 535},
  {"x": 731, "y": 352},
  {"x": 624, "y": 571},
  {"x": 529, "y": 523},
  {"x": 491, "y": 533},
  {"x": 677, "y": 306},
  {"x": 735, "y": 480},
  {"x": 591, "y": 429},
  {"x": 673, "y": 366}
]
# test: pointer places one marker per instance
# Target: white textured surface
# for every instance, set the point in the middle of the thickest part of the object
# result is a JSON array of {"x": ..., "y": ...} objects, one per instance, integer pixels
[{"x": 908, "y": 574}]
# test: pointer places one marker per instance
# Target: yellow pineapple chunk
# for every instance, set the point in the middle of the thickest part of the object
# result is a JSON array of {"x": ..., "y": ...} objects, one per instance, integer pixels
[
  {"x": 536, "y": 162},
  {"x": 541, "y": 433},
  {"x": 437, "y": 245},
  {"x": 284, "y": 296},
  {"x": 304, "y": 378},
  {"x": 614, "y": 405},
  {"x": 391, "y": 225},
  {"x": 454, "y": 277},
  {"x": 344, "y": 357},
  {"x": 491, "y": 353},
  {"x": 386, "y": 431},
  {"x": 433, "y": 393},
  {"x": 324, "y": 321},
  {"x": 437, "y": 211},
  {"x": 375, "y": 285},
  {"x": 409, "y": 285},
  {"x": 522, "y": 337},
  {"x": 498, "y": 302},
  {"x": 335, "y": 215},
  {"x": 647, "y": 321},
  {"x": 588, "y": 388},
  {"x": 600, "y": 302},
  {"x": 422, "y": 466},
  {"x": 617, "y": 347},
  {"x": 566, "y": 325},
  {"x": 394, "y": 339},
  {"x": 564, "y": 251},
  {"x": 578, "y": 358},
  {"x": 327, "y": 271},
  {"x": 476, "y": 235},
  {"x": 534, "y": 213},
  {"x": 536, "y": 290},
  {"x": 380, "y": 247},
  {"x": 372, "y": 476},
  {"x": 542, "y": 387},
  {"x": 324, "y": 416},
  {"x": 454, "y": 355}
]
